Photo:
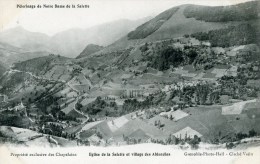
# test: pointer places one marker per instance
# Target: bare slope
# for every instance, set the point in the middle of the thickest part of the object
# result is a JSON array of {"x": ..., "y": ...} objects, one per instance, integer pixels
[{"x": 90, "y": 49}]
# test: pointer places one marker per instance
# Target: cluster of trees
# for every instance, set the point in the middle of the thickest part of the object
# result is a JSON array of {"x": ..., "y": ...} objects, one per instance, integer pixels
[
  {"x": 201, "y": 94},
  {"x": 144, "y": 47},
  {"x": 9, "y": 120},
  {"x": 96, "y": 106},
  {"x": 131, "y": 141},
  {"x": 131, "y": 105},
  {"x": 250, "y": 71},
  {"x": 236, "y": 87},
  {"x": 151, "y": 26},
  {"x": 62, "y": 116},
  {"x": 54, "y": 129},
  {"x": 36, "y": 65},
  {"x": 190, "y": 54},
  {"x": 76, "y": 71},
  {"x": 238, "y": 137},
  {"x": 158, "y": 124},
  {"x": 100, "y": 105},
  {"x": 251, "y": 133},
  {"x": 48, "y": 101},
  {"x": 168, "y": 57},
  {"x": 78, "y": 106},
  {"x": 244, "y": 11},
  {"x": 10, "y": 83},
  {"x": 231, "y": 36},
  {"x": 173, "y": 140}
]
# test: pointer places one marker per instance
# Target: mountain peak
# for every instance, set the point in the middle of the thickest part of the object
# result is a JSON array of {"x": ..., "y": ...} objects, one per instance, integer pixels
[{"x": 16, "y": 29}]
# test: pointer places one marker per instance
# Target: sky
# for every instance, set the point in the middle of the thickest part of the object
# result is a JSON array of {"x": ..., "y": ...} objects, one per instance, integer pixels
[{"x": 54, "y": 20}]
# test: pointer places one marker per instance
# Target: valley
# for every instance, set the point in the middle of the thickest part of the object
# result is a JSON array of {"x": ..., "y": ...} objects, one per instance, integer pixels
[{"x": 178, "y": 79}]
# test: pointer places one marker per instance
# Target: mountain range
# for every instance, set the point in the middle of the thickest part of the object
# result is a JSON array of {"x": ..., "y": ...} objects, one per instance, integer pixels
[{"x": 77, "y": 39}]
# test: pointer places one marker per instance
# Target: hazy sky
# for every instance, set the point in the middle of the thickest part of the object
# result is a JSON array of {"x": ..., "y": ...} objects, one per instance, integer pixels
[{"x": 51, "y": 21}]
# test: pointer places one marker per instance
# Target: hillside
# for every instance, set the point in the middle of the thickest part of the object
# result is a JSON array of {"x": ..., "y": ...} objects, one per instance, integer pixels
[
  {"x": 7, "y": 51},
  {"x": 10, "y": 54},
  {"x": 177, "y": 22},
  {"x": 173, "y": 81},
  {"x": 90, "y": 49},
  {"x": 239, "y": 12},
  {"x": 231, "y": 36},
  {"x": 151, "y": 26},
  {"x": 2, "y": 69},
  {"x": 41, "y": 64},
  {"x": 25, "y": 137}
]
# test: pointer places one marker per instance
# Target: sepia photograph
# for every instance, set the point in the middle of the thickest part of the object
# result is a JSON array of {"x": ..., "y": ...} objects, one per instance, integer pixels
[{"x": 150, "y": 77}]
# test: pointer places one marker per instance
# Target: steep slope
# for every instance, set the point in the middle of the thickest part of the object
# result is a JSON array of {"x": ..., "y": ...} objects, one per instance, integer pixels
[
  {"x": 178, "y": 21},
  {"x": 178, "y": 25},
  {"x": 151, "y": 26},
  {"x": 90, "y": 49}
]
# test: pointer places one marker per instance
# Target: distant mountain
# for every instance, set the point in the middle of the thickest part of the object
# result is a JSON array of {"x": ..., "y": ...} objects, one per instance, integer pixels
[
  {"x": 90, "y": 49},
  {"x": 30, "y": 41},
  {"x": 103, "y": 35},
  {"x": 77, "y": 39}
]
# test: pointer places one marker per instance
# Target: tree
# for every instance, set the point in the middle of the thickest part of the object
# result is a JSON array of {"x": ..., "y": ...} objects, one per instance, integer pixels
[
  {"x": 202, "y": 92},
  {"x": 194, "y": 142},
  {"x": 144, "y": 47},
  {"x": 78, "y": 106},
  {"x": 192, "y": 54},
  {"x": 214, "y": 97},
  {"x": 155, "y": 123},
  {"x": 230, "y": 145},
  {"x": 252, "y": 133}
]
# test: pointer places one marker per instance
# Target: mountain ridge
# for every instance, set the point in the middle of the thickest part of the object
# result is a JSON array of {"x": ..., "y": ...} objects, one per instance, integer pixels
[{"x": 76, "y": 38}]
